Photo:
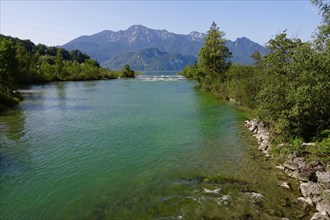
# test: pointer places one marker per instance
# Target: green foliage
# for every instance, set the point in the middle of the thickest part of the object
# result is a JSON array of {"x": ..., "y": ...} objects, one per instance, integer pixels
[
  {"x": 127, "y": 72},
  {"x": 243, "y": 83},
  {"x": 8, "y": 62},
  {"x": 289, "y": 87},
  {"x": 8, "y": 98},
  {"x": 213, "y": 57},
  {"x": 22, "y": 62},
  {"x": 296, "y": 99},
  {"x": 194, "y": 72},
  {"x": 322, "y": 36}
]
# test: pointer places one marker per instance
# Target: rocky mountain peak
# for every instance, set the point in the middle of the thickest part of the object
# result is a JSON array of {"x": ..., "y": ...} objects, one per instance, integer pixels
[
  {"x": 121, "y": 46},
  {"x": 196, "y": 35}
]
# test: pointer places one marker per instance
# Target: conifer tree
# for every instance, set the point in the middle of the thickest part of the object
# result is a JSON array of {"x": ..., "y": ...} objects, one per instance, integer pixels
[{"x": 214, "y": 55}]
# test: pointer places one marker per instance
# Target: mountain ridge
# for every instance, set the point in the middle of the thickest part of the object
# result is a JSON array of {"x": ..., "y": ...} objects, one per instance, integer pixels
[
  {"x": 107, "y": 45},
  {"x": 151, "y": 59}
]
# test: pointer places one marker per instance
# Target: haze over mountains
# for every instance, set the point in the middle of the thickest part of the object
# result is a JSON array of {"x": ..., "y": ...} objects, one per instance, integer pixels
[{"x": 148, "y": 49}]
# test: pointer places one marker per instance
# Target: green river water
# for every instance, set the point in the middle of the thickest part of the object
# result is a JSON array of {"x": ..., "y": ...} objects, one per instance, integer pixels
[{"x": 133, "y": 149}]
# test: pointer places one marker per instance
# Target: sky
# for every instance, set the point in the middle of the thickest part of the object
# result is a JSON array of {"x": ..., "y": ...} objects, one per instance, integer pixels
[{"x": 56, "y": 22}]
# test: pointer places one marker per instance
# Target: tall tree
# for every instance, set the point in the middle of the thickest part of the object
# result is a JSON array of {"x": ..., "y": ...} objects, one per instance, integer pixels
[
  {"x": 59, "y": 63},
  {"x": 213, "y": 56},
  {"x": 322, "y": 36}
]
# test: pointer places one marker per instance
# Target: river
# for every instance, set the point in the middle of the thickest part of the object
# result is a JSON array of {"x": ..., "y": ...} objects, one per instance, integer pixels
[{"x": 133, "y": 149}]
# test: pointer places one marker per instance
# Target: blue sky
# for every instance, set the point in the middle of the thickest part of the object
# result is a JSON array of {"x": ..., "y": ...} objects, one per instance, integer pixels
[{"x": 57, "y": 22}]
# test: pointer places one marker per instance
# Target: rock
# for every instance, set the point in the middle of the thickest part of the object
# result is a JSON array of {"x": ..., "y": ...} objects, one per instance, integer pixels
[
  {"x": 323, "y": 177},
  {"x": 290, "y": 165},
  {"x": 253, "y": 125},
  {"x": 293, "y": 174},
  {"x": 306, "y": 203},
  {"x": 262, "y": 135},
  {"x": 317, "y": 198},
  {"x": 284, "y": 185},
  {"x": 311, "y": 189},
  {"x": 280, "y": 167},
  {"x": 307, "y": 145},
  {"x": 256, "y": 196},
  {"x": 300, "y": 162},
  {"x": 318, "y": 168},
  {"x": 305, "y": 175},
  {"x": 320, "y": 216},
  {"x": 263, "y": 146},
  {"x": 323, "y": 206},
  {"x": 224, "y": 200},
  {"x": 215, "y": 191}
]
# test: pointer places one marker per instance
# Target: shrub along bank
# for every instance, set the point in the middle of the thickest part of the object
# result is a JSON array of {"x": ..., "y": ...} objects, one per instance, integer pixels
[{"x": 288, "y": 90}]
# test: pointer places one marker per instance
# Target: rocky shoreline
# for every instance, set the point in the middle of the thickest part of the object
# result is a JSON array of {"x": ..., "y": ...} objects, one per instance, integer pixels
[{"x": 314, "y": 177}]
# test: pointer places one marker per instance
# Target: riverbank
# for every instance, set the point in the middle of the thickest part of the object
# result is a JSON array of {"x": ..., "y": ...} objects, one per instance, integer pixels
[{"x": 313, "y": 176}]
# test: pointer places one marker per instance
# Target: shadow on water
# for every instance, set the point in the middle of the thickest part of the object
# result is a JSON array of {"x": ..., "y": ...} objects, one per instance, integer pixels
[
  {"x": 61, "y": 94},
  {"x": 90, "y": 86}
]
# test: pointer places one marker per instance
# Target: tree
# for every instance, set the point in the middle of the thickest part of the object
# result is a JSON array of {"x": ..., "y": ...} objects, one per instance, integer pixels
[
  {"x": 127, "y": 72},
  {"x": 322, "y": 36},
  {"x": 214, "y": 55},
  {"x": 8, "y": 62},
  {"x": 280, "y": 52},
  {"x": 257, "y": 58},
  {"x": 59, "y": 64}
]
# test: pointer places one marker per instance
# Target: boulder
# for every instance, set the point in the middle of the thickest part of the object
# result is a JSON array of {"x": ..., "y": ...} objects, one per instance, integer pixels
[
  {"x": 323, "y": 206},
  {"x": 293, "y": 174},
  {"x": 323, "y": 177},
  {"x": 252, "y": 124},
  {"x": 263, "y": 146},
  {"x": 290, "y": 165},
  {"x": 318, "y": 167},
  {"x": 300, "y": 162},
  {"x": 305, "y": 175},
  {"x": 306, "y": 203},
  {"x": 311, "y": 189}
]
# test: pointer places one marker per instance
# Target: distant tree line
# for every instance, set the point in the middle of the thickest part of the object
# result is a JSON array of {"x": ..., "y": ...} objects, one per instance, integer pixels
[
  {"x": 23, "y": 62},
  {"x": 289, "y": 88}
]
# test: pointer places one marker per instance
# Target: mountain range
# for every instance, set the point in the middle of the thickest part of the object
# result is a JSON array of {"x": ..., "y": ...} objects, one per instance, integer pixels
[{"x": 148, "y": 49}]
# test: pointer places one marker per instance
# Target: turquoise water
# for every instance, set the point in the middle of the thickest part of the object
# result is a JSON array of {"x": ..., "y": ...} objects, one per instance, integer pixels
[{"x": 132, "y": 149}]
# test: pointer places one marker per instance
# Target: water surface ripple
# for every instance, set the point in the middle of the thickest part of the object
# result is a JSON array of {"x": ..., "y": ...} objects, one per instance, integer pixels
[{"x": 131, "y": 149}]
